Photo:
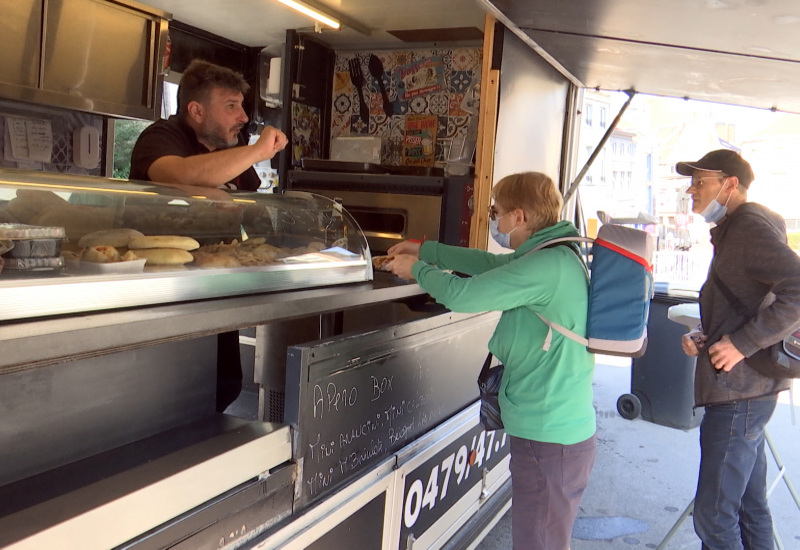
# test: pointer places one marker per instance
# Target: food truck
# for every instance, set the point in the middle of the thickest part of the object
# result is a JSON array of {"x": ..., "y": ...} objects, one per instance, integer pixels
[{"x": 358, "y": 422}]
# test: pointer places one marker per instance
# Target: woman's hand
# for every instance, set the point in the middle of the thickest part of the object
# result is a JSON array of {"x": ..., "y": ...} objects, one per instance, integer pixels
[
  {"x": 405, "y": 247},
  {"x": 692, "y": 342},
  {"x": 401, "y": 265}
]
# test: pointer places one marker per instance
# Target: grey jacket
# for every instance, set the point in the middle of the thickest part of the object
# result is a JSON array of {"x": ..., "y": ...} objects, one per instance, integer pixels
[{"x": 752, "y": 258}]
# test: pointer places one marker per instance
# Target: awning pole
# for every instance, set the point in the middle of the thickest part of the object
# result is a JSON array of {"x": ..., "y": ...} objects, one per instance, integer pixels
[{"x": 574, "y": 186}]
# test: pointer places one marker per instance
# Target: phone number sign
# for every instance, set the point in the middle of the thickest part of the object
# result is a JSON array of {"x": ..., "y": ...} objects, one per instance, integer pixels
[{"x": 435, "y": 486}]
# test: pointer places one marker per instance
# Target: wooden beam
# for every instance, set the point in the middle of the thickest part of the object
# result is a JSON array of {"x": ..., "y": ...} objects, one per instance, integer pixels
[{"x": 484, "y": 153}]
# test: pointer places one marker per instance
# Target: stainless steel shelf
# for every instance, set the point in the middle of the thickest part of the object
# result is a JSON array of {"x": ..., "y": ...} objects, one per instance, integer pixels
[
  {"x": 119, "y": 494},
  {"x": 101, "y": 332}
]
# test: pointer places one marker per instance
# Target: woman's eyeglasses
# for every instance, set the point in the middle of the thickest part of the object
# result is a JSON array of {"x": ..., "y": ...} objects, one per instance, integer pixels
[{"x": 493, "y": 213}]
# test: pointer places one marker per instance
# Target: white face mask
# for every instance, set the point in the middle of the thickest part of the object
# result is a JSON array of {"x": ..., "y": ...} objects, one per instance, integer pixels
[
  {"x": 503, "y": 239},
  {"x": 716, "y": 211}
]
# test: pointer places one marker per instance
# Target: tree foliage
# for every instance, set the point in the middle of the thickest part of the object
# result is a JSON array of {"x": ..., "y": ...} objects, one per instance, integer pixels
[{"x": 126, "y": 132}]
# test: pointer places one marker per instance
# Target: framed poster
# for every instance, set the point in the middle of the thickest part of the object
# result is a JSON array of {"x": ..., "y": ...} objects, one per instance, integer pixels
[{"x": 419, "y": 140}]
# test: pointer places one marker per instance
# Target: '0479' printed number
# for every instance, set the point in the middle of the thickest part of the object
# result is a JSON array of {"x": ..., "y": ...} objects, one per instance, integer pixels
[{"x": 452, "y": 471}]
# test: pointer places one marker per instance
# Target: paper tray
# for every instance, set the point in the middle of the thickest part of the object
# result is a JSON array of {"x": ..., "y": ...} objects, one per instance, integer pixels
[{"x": 111, "y": 268}]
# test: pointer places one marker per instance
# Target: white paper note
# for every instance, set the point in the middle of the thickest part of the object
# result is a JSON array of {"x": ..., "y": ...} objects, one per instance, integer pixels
[
  {"x": 40, "y": 140},
  {"x": 17, "y": 138},
  {"x": 28, "y": 140}
]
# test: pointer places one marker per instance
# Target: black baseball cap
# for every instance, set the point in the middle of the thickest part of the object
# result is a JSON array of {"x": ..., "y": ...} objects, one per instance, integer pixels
[{"x": 721, "y": 160}]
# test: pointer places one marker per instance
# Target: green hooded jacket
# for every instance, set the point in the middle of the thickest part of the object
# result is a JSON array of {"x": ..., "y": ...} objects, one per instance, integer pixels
[{"x": 545, "y": 395}]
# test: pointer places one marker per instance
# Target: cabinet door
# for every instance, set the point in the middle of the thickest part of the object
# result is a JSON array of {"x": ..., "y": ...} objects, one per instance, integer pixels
[
  {"x": 21, "y": 29},
  {"x": 99, "y": 52}
]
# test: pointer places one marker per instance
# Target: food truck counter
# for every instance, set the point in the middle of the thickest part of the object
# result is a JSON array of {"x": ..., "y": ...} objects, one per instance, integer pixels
[{"x": 108, "y": 364}]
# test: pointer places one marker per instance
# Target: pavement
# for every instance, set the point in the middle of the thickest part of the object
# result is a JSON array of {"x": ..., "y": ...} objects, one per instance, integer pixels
[{"x": 645, "y": 475}]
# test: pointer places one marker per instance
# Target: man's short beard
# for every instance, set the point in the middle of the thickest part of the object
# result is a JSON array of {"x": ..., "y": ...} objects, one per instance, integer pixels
[
  {"x": 217, "y": 141},
  {"x": 214, "y": 135}
]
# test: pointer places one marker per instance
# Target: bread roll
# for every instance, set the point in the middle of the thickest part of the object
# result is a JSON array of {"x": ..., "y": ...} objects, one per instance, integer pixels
[
  {"x": 163, "y": 256},
  {"x": 110, "y": 237},
  {"x": 164, "y": 241}
]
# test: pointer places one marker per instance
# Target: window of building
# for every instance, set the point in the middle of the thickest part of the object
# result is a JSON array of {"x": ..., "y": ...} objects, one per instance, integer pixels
[{"x": 683, "y": 241}]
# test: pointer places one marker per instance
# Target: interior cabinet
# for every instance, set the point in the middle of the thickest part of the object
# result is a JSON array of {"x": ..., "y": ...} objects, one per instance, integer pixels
[
  {"x": 21, "y": 29},
  {"x": 100, "y": 56}
]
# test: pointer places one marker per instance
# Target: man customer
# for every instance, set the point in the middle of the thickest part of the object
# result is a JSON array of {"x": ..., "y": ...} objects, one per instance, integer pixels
[
  {"x": 202, "y": 145},
  {"x": 545, "y": 396},
  {"x": 752, "y": 263}
]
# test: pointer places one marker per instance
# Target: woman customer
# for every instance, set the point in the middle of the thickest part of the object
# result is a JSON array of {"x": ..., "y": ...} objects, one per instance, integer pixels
[{"x": 545, "y": 396}]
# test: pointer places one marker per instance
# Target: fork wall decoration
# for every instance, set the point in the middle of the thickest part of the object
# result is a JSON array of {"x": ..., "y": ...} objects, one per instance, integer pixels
[{"x": 438, "y": 82}]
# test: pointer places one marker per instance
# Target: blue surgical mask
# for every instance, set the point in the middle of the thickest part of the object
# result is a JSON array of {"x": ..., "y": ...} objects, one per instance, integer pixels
[
  {"x": 503, "y": 239},
  {"x": 716, "y": 211}
]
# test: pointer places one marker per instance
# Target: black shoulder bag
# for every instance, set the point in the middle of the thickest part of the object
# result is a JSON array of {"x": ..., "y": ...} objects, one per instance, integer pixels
[
  {"x": 780, "y": 360},
  {"x": 489, "y": 387}
]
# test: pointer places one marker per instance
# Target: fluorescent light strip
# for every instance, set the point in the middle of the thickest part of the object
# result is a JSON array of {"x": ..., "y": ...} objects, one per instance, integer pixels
[{"x": 311, "y": 12}]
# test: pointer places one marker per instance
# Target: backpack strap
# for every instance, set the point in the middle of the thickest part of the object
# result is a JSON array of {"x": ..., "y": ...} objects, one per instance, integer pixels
[
  {"x": 729, "y": 295},
  {"x": 560, "y": 329},
  {"x": 551, "y": 326},
  {"x": 566, "y": 241}
]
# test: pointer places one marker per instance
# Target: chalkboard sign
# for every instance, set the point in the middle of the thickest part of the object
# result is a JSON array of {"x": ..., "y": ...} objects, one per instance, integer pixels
[{"x": 356, "y": 399}]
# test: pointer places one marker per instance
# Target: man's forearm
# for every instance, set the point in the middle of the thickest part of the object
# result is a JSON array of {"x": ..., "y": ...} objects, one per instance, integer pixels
[{"x": 208, "y": 170}]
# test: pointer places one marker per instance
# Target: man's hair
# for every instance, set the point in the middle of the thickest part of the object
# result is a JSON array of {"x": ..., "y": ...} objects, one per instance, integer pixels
[
  {"x": 534, "y": 193},
  {"x": 200, "y": 77}
]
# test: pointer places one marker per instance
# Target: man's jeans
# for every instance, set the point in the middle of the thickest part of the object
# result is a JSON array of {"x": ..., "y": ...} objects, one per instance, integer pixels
[{"x": 731, "y": 510}]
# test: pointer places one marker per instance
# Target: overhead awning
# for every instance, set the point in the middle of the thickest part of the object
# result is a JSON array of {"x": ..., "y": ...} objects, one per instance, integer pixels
[{"x": 726, "y": 51}]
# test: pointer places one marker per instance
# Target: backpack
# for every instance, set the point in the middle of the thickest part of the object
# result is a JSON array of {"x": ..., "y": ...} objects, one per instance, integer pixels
[{"x": 620, "y": 289}]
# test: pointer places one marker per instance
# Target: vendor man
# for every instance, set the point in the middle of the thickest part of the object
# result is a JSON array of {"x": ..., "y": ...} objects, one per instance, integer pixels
[{"x": 202, "y": 146}]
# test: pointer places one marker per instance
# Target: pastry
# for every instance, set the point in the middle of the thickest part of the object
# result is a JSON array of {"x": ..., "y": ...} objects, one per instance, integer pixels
[
  {"x": 379, "y": 262},
  {"x": 100, "y": 254}
]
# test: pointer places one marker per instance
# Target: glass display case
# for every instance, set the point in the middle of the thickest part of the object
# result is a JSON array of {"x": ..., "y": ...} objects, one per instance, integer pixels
[{"x": 71, "y": 244}]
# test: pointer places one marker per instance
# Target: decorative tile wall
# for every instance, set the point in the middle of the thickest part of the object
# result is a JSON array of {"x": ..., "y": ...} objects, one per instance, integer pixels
[{"x": 441, "y": 83}]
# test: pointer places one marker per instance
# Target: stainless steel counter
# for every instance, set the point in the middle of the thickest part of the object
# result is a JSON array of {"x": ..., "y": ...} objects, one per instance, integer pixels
[{"x": 28, "y": 344}]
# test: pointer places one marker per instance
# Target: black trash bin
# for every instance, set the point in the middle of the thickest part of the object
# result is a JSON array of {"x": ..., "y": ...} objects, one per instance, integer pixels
[{"x": 662, "y": 380}]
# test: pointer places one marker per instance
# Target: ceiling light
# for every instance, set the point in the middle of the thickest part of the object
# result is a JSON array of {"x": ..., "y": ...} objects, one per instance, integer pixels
[{"x": 311, "y": 12}]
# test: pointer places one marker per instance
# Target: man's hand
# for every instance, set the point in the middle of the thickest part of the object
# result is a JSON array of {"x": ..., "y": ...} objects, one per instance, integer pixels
[
  {"x": 724, "y": 355},
  {"x": 692, "y": 342},
  {"x": 270, "y": 142},
  {"x": 405, "y": 247},
  {"x": 401, "y": 265}
]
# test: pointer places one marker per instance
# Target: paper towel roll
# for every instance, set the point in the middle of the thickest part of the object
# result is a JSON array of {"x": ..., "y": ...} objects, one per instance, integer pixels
[{"x": 274, "y": 79}]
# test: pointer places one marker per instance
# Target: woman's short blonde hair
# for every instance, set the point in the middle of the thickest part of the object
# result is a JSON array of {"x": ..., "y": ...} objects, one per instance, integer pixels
[{"x": 532, "y": 192}]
